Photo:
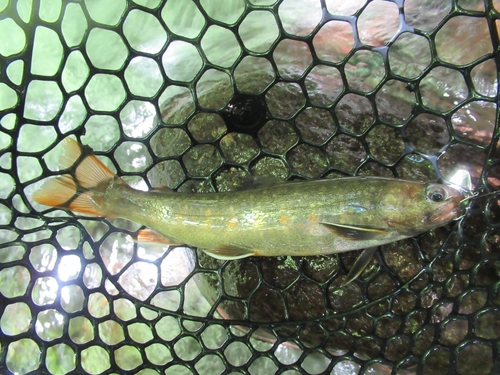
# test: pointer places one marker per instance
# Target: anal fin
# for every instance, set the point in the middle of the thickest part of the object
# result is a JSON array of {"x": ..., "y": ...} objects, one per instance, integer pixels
[
  {"x": 229, "y": 252},
  {"x": 150, "y": 236}
]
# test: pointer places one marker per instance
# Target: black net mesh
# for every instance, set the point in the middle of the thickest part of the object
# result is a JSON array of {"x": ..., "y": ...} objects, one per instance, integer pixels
[{"x": 198, "y": 94}]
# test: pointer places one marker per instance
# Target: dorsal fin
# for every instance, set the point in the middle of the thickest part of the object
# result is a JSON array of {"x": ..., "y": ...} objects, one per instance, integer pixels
[{"x": 255, "y": 182}]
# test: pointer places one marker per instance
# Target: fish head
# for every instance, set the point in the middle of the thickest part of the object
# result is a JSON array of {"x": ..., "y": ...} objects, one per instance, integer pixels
[{"x": 414, "y": 207}]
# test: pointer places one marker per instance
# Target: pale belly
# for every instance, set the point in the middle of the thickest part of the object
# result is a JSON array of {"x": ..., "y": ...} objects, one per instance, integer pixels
[{"x": 299, "y": 238}]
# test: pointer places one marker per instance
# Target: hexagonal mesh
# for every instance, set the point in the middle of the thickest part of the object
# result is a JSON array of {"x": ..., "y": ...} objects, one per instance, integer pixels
[{"x": 197, "y": 95}]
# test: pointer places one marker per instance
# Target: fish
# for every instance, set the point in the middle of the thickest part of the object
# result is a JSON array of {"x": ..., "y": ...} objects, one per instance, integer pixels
[{"x": 304, "y": 218}]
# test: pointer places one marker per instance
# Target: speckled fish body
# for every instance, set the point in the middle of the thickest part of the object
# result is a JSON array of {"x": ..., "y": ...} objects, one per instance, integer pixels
[{"x": 294, "y": 218}]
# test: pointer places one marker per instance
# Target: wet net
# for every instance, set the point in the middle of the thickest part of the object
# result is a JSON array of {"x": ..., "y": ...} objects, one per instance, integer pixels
[{"x": 198, "y": 95}]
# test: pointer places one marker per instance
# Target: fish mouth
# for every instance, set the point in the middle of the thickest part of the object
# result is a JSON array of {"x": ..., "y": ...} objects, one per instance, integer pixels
[{"x": 448, "y": 212}]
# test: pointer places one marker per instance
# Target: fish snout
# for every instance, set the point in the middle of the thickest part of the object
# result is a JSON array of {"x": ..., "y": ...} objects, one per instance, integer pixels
[{"x": 452, "y": 209}]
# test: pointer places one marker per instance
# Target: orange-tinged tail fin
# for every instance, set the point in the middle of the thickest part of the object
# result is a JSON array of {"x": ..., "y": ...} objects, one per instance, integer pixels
[{"x": 83, "y": 189}]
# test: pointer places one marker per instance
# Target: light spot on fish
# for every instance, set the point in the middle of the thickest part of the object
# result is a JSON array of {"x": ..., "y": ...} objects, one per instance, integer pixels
[
  {"x": 316, "y": 229},
  {"x": 254, "y": 220},
  {"x": 232, "y": 223},
  {"x": 354, "y": 207},
  {"x": 312, "y": 218},
  {"x": 284, "y": 219},
  {"x": 190, "y": 222}
]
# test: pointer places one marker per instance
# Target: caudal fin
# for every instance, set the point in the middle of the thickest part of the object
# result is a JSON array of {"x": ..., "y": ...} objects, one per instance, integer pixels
[{"x": 83, "y": 189}]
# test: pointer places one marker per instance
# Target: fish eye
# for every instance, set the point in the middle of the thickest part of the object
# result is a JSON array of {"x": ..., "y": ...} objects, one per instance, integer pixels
[{"x": 436, "y": 194}]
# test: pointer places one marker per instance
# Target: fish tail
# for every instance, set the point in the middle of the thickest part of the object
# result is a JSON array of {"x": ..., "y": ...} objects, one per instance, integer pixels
[{"x": 83, "y": 189}]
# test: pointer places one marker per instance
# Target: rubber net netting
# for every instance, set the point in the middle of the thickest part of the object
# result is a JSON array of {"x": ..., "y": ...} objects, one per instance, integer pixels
[{"x": 196, "y": 95}]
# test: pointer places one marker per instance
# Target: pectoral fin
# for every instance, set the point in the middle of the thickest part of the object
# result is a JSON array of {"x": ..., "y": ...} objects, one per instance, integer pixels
[
  {"x": 359, "y": 265},
  {"x": 356, "y": 232},
  {"x": 229, "y": 252}
]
